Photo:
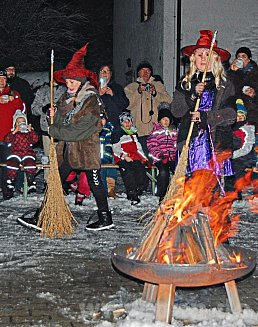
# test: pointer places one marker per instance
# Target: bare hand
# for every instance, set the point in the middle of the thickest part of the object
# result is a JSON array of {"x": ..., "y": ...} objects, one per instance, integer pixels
[
  {"x": 51, "y": 111},
  {"x": 30, "y": 128},
  {"x": 128, "y": 159},
  {"x": 199, "y": 88}
]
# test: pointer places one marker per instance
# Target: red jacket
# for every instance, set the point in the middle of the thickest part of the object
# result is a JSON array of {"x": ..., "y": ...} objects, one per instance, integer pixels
[
  {"x": 7, "y": 111},
  {"x": 21, "y": 143}
]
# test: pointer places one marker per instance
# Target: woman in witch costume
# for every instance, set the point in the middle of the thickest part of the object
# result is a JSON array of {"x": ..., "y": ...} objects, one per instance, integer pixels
[
  {"x": 76, "y": 126},
  {"x": 212, "y": 134}
]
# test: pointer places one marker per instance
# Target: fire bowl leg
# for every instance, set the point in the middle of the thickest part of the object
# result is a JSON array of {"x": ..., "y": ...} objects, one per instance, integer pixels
[
  {"x": 233, "y": 296},
  {"x": 165, "y": 302},
  {"x": 149, "y": 293}
]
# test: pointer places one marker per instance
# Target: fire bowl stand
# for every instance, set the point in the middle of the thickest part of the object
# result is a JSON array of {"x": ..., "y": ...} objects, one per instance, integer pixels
[{"x": 161, "y": 280}]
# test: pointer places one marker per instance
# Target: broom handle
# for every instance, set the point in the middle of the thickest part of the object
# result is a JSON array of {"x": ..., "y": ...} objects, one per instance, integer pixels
[
  {"x": 202, "y": 81},
  {"x": 52, "y": 88}
]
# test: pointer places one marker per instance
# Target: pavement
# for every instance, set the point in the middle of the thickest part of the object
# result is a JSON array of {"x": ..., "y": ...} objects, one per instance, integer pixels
[{"x": 66, "y": 282}]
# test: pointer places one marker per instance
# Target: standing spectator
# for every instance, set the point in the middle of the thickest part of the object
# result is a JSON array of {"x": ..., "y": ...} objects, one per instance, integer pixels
[
  {"x": 109, "y": 175},
  {"x": 76, "y": 126},
  {"x": 112, "y": 95},
  {"x": 10, "y": 101},
  {"x": 145, "y": 95},
  {"x": 130, "y": 158},
  {"x": 40, "y": 107},
  {"x": 19, "y": 84},
  {"x": 162, "y": 146},
  {"x": 212, "y": 133},
  {"x": 20, "y": 140}
]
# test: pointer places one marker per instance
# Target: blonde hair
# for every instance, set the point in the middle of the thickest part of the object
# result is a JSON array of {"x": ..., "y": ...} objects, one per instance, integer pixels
[{"x": 217, "y": 70}]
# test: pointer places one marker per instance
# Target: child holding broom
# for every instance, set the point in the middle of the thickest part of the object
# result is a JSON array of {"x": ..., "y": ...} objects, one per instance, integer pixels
[
  {"x": 212, "y": 133},
  {"x": 77, "y": 125}
]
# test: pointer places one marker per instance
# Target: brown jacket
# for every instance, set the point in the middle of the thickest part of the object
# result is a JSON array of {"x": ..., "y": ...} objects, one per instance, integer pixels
[{"x": 81, "y": 136}]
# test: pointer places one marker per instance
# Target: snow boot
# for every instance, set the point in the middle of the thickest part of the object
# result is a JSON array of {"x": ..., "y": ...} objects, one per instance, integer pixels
[
  {"x": 111, "y": 182},
  {"x": 79, "y": 199},
  {"x": 9, "y": 189},
  {"x": 31, "y": 183},
  {"x": 30, "y": 220},
  {"x": 132, "y": 195},
  {"x": 105, "y": 221}
]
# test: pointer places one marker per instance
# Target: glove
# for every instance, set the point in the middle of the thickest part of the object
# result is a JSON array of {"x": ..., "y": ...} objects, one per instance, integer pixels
[
  {"x": 146, "y": 163},
  {"x": 164, "y": 160},
  {"x": 45, "y": 108}
]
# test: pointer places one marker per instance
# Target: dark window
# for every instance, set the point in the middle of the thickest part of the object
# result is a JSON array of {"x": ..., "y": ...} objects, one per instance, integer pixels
[{"x": 147, "y": 9}]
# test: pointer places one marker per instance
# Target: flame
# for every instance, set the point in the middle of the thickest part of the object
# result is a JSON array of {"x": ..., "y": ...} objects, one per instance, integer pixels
[
  {"x": 236, "y": 257},
  {"x": 198, "y": 194}
]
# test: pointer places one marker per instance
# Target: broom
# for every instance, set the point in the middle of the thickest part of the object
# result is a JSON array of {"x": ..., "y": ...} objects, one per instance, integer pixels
[
  {"x": 55, "y": 219},
  {"x": 147, "y": 249}
]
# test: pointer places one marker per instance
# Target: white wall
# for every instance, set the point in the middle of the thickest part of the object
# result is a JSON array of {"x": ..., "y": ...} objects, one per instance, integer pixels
[{"x": 136, "y": 40}]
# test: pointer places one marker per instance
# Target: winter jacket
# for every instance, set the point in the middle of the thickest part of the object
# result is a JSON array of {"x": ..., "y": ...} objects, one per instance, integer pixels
[
  {"x": 142, "y": 103},
  {"x": 116, "y": 104},
  {"x": 106, "y": 151},
  {"x": 80, "y": 137},
  {"x": 42, "y": 99},
  {"x": 7, "y": 111},
  {"x": 125, "y": 144},
  {"x": 246, "y": 135},
  {"x": 162, "y": 143},
  {"x": 23, "y": 88},
  {"x": 220, "y": 118},
  {"x": 21, "y": 143},
  {"x": 249, "y": 78}
]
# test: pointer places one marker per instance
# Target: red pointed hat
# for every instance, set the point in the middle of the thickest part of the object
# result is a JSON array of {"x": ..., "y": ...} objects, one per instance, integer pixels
[
  {"x": 75, "y": 69},
  {"x": 205, "y": 42}
]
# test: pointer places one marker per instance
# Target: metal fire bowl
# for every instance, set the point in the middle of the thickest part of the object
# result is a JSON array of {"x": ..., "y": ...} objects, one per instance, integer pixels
[{"x": 184, "y": 275}]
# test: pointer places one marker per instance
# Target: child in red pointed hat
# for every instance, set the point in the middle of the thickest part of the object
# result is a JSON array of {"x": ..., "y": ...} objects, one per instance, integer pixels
[
  {"x": 76, "y": 126},
  {"x": 212, "y": 133}
]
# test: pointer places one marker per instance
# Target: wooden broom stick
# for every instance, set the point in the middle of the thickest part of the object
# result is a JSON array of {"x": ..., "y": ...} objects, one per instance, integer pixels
[
  {"x": 55, "y": 219},
  {"x": 147, "y": 248}
]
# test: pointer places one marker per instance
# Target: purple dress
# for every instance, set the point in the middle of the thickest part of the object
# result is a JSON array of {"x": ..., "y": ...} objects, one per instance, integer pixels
[{"x": 201, "y": 149}]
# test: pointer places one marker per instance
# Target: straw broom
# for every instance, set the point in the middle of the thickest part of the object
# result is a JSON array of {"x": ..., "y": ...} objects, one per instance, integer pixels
[
  {"x": 55, "y": 219},
  {"x": 147, "y": 249}
]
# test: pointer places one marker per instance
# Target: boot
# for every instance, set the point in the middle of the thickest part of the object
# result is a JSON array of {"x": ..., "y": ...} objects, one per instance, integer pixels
[
  {"x": 111, "y": 187},
  {"x": 104, "y": 222},
  {"x": 132, "y": 195},
  {"x": 30, "y": 220},
  {"x": 79, "y": 199},
  {"x": 31, "y": 183},
  {"x": 8, "y": 191}
]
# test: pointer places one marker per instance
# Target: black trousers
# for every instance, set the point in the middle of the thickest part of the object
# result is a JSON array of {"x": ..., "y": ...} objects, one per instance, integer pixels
[
  {"x": 164, "y": 176},
  {"x": 95, "y": 183},
  {"x": 4, "y": 152},
  {"x": 134, "y": 176}
]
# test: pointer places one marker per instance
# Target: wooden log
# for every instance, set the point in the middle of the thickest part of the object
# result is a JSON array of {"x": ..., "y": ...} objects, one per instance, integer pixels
[{"x": 193, "y": 253}]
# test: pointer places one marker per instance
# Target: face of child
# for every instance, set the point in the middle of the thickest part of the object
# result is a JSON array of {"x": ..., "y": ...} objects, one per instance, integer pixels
[
  {"x": 103, "y": 121},
  {"x": 127, "y": 124},
  {"x": 72, "y": 85},
  {"x": 20, "y": 120},
  {"x": 240, "y": 117},
  {"x": 201, "y": 57},
  {"x": 165, "y": 122}
]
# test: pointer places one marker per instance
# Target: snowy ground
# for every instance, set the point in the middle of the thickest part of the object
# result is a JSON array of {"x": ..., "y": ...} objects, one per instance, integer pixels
[{"x": 20, "y": 248}]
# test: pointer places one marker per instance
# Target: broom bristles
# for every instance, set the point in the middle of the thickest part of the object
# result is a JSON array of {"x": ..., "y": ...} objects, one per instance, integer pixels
[{"x": 55, "y": 219}]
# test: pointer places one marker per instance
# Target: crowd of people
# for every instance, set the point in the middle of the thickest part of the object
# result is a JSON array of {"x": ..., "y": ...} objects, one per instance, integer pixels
[{"x": 97, "y": 123}]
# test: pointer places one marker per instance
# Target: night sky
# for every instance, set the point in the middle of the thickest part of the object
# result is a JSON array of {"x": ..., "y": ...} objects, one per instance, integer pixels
[{"x": 30, "y": 29}]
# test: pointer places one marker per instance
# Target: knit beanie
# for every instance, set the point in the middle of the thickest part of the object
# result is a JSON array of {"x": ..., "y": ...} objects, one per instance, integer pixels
[
  {"x": 164, "y": 111},
  {"x": 18, "y": 113},
  {"x": 144, "y": 64},
  {"x": 245, "y": 50},
  {"x": 125, "y": 116},
  {"x": 241, "y": 109}
]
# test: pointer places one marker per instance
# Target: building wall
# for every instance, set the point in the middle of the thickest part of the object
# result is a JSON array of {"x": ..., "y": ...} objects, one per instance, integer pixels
[
  {"x": 136, "y": 40},
  {"x": 155, "y": 40}
]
